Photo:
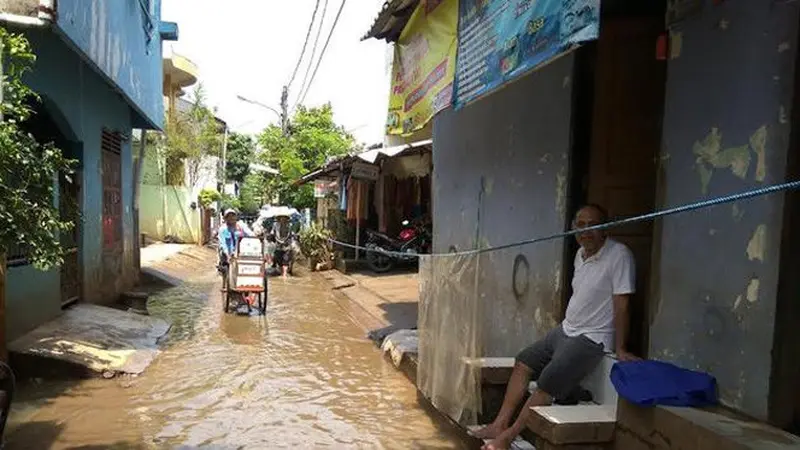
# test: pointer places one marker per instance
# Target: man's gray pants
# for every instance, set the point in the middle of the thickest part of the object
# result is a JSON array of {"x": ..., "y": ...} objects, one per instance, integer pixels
[{"x": 560, "y": 362}]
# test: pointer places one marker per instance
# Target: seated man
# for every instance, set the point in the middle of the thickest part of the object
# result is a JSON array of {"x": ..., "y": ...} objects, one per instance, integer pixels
[{"x": 603, "y": 281}]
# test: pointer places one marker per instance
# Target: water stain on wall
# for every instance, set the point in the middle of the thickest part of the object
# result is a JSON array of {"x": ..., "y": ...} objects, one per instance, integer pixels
[
  {"x": 756, "y": 246},
  {"x": 752, "y": 290},
  {"x": 561, "y": 192},
  {"x": 758, "y": 141},
  {"x": 711, "y": 156}
]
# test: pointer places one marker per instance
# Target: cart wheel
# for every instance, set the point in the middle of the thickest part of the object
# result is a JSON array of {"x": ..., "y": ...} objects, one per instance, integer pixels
[
  {"x": 265, "y": 295},
  {"x": 226, "y": 298}
]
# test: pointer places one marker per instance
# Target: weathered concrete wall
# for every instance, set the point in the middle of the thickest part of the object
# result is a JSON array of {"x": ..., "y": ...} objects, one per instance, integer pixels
[
  {"x": 28, "y": 8},
  {"x": 124, "y": 43},
  {"x": 726, "y": 128},
  {"x": 32, "y": 298},
  {"x": 89, "y": 104},
  {"x": 513, "y": 146}
]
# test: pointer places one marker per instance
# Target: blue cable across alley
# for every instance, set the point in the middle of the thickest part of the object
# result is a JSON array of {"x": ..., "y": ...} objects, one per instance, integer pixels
[{"x": 775, "y": 188}]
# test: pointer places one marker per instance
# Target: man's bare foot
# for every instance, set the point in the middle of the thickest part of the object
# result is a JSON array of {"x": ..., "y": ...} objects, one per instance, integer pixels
[
  {"x": 501, "y": 442},
  {"x": 490, "y": 431}
]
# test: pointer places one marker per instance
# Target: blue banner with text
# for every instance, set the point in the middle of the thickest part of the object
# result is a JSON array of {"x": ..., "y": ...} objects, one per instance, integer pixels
[{"x": 500, "y": 40}]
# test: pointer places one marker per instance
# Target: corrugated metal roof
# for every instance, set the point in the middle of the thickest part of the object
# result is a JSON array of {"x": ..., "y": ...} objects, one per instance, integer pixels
[
  {"x": 370, "y": 156},
  {"x": 391, "y": 20}
]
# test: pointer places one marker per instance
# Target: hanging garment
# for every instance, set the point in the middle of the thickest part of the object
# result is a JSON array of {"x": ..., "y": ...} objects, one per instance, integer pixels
[{"x": 343, "y": 193}]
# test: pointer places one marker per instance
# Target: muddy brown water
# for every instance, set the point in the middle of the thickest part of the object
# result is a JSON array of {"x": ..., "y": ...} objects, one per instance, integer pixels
[{"x": 303, "y": 376}]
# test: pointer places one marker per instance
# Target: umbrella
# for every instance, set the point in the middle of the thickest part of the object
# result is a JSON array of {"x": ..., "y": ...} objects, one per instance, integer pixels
[{"x": 278, "y": 211}]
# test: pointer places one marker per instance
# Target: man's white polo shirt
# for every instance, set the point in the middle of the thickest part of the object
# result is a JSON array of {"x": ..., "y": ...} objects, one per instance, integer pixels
[{"x": 611, "y": 271}]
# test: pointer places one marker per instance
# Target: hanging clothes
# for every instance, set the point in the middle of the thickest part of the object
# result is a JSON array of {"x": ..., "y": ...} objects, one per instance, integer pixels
[
  {"x": 380, "y": 194},
  {"x": 343, "y": 192},
  {"x": 357, "y": 200}
]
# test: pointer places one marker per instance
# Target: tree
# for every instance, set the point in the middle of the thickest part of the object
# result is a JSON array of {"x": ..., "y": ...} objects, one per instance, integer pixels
[
  {"x": 28, "y": 173},
  {"x": 189, "y": 138},
  {"x": 254, "y": 192},
  {"x": 241, "y": 152},
  {"x": 313, "y": 138}
]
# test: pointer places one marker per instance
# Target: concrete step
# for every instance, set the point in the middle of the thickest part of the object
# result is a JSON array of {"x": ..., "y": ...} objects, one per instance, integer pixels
[{"x": 573, "y": 425}]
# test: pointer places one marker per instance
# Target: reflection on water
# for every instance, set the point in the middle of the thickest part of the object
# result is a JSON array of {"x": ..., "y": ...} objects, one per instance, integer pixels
[{"x": 302, "y": 377}]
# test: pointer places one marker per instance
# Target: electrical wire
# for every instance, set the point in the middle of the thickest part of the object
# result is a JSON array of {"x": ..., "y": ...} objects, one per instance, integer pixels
[
  {"x": 791, "y": 185},
  {"x": 305, "y": 44},
  {"x": 322, "y": 53},
  {"x": 313, "y": 54}
]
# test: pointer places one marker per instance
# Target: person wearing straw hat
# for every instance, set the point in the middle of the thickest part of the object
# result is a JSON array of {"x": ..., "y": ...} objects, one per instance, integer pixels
[
  {"x": 281, "y": 234},
  {"x": 229, "y": 235}
]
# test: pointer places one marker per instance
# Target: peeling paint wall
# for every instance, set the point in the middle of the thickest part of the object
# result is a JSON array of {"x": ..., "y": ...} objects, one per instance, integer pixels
[
  {"x": 504, "y": 158},
  {"x": 725, "y": 129},
  {"x": 112, "y": 34}
]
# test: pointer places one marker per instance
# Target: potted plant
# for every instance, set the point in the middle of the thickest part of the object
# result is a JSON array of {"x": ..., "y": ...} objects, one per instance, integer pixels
[{"x": 314, "y": 243}]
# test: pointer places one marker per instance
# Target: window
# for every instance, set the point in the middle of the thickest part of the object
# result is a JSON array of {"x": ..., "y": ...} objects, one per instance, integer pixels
[{"x": 112, "y": 190}]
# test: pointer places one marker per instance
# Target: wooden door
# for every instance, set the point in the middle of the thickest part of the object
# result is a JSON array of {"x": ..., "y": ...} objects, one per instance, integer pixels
[
  {"x": 112, "y": 210},
  {"x": 70, "y": 210},
  {"x": 626, "y": 136}
]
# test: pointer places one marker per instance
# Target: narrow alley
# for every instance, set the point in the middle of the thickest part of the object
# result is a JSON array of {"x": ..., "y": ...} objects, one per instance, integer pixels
[{"x": 303, "y": 376}]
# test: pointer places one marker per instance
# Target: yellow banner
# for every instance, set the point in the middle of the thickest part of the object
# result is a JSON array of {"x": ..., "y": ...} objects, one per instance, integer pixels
[{"x": 424, "y": 66}]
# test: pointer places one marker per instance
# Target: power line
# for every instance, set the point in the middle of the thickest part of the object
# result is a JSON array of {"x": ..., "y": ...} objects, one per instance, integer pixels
[
  {"x": 305, "y": 44},
  {"x": 322, "y": 53},
  {"x": 313, "y": 53}
]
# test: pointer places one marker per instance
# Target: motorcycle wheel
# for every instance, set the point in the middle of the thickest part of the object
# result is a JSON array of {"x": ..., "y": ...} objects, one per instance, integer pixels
[{"x": 379, "y": 262}]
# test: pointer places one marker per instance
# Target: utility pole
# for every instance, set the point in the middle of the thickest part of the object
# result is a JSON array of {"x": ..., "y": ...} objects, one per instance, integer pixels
[
  {"x": 3, "y": 268},
  {"x": 285, "y": 110}
]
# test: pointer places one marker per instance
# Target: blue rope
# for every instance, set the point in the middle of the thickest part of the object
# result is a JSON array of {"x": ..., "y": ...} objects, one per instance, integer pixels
[{"x": 792, "y": 185}]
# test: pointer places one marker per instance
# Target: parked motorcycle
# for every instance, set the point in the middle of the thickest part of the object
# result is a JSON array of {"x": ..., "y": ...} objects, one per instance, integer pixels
[{"x": 413, "y": 240}]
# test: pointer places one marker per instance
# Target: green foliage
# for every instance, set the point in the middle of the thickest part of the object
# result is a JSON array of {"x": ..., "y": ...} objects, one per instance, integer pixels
[
  {"x": 241, "y": 152},
  {"x": 229, "y": 202},
  {"x": 314, "y": 137},
  {"x": 28, "y": 169},
  {"x": 208, "y": 196},
  {"x": 189, "y": 137},
  {"x": 254, "y": 192},
  {"x": 314, "y": 243}
]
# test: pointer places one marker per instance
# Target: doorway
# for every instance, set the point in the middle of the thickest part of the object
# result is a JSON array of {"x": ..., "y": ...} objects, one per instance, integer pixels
[
  {"x": 47, "y": 125},
  {"x": 619, "y": 109}
]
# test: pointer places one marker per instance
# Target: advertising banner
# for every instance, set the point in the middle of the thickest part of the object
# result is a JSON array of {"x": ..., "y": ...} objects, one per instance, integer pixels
[
  {"x": 500, "y": 40},
  {"x": 424, "y": 67}
]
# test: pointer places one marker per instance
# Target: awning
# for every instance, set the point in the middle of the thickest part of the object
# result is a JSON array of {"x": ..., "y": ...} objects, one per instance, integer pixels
[
  {"x": 373, "y": 155},
  {"x": 391, "y": 20},
  {"x": 370, "y": 156}
]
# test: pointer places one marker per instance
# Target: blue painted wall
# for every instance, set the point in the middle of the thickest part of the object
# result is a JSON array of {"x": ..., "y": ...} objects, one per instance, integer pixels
[
  {"x": 516, "y": 151},
  {"x": 114, "y": 36},
  {"x": 87, "y": 104},
  {"x": 729, "y": 92}
]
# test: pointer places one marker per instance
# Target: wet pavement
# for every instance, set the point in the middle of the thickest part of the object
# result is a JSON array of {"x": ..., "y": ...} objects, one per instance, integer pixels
[{"x": 303, "y": 376}]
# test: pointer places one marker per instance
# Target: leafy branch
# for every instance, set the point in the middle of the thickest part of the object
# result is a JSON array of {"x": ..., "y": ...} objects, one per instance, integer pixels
[{"x": 28, "y": 169}]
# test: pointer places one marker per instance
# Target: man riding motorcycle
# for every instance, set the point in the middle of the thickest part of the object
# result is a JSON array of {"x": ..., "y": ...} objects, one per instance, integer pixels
[{"x": 280, "y": 244}]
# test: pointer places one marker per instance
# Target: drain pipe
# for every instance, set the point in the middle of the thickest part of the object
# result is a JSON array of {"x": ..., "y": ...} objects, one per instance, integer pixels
[{"x": 137, "y": 175}]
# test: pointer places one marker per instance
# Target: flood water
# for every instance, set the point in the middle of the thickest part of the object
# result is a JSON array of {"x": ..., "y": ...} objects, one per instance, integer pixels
[{"x": 303, "y": 376}]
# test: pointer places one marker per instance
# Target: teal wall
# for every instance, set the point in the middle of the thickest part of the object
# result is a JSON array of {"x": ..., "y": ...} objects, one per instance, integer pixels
[
  {"x": 84, "y": 103},
  {"x": 32, "y": 298},
  {"x": 121, "y": 39}
]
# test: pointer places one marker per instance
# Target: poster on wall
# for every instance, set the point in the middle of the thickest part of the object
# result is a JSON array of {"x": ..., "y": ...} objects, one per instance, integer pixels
[
  {"x": 424, "y": 67},
  {"x": 500, "y": 40}
]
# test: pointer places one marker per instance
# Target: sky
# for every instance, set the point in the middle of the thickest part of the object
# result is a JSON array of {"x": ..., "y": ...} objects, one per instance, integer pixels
[{"x": 250, "y": 48}]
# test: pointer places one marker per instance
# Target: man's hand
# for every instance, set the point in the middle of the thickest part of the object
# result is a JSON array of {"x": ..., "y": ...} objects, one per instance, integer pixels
[{"x": 625, "y": 356}]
